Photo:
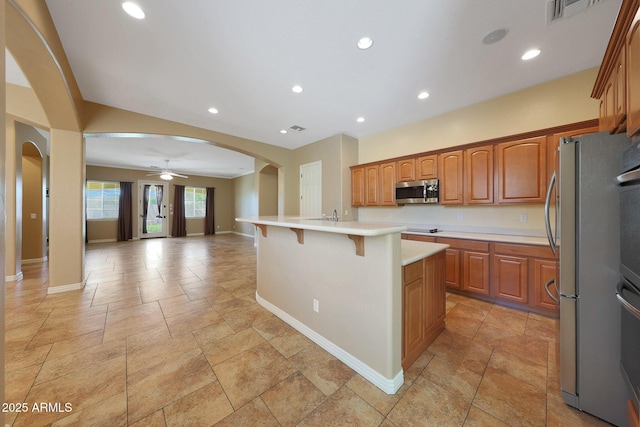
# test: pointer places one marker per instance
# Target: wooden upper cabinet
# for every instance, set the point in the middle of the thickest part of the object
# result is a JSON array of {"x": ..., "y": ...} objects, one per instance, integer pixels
[
  {"x": 451, "y": 173},
  {"x": 388, "y": 184},
  {"x": 522, "y": 171},
  {"x": 357, "y": 186},
  {"x": 633, "y": 77},
  {"x": 371, "y": 186},
  {"x": 406, "y": 170},
  {"x": 427, "y": 167},
  {"x": 618, "y": 82},
  {"x": 478, "y": 175},
  {"x": 620, "y": 95}
]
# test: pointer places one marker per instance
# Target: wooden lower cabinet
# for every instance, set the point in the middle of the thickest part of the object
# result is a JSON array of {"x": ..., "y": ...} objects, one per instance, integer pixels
[
  {"x": 467, "y": 265},
  {"x": 476, "y": 272},
  {"x": 632, "y": 414},
  {"x": 504, "y": 273},
  {"x": 423, "y": 306},
  {"x": 510, "y": 278},
  {"x": 544, "y": 271}
]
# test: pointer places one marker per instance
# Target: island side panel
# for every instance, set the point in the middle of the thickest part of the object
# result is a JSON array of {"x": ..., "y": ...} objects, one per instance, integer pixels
[{"x": 360, "y": 299}]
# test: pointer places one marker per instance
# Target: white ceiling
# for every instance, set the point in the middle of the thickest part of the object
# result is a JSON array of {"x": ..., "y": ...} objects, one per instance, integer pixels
[{"x": 244, "y": 56}]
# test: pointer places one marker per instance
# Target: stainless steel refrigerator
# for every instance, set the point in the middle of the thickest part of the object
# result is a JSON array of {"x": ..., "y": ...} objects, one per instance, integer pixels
[{"x": 588, "y": 236}]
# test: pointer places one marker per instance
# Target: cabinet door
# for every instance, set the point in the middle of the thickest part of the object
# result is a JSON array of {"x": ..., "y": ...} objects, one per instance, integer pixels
[
  {"x": 620, "y": 95},
  {"x": 435, "y": 296},
  {"x": 476, "y": 272},
  {"x": 452, "y": 268},
  {"x": 607, "y": 119},
  {"x": 478, "y": 175},
  {"x": 510, "y": 278},
  {"x": 543, "y": 271},
  {"x": 357, "y": 187},
  {"x": 371, "y": 186},
  {"x": 522, "y": 171},
  {"x": 406, "y": 170},
  {"x": 427, "y": 167},
  {"x": 388, "y": 184},
  {"x": 450, "y": 171},
  {"x": 633, "y": 78},
  {"x": 413, "y": 322}
]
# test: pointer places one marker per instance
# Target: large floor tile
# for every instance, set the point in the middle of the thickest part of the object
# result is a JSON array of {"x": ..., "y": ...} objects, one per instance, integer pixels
[
  {"x": 252, "y": 372},
  {"x": 293, "y": 399},
  {"x": 322, "y": 369},
  {"x": 343, "y": 408}
]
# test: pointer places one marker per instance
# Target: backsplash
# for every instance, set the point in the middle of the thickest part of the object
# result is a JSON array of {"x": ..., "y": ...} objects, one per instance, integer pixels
[{"x": 507, "y": 219}]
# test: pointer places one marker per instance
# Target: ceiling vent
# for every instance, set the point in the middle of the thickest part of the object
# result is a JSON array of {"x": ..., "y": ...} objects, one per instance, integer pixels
[
  {"x": 561, "y": 9},
  {"x": 297, "y": 128}
]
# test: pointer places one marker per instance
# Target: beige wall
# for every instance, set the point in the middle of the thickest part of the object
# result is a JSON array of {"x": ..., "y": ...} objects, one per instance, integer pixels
[
  {"x": 336, "y": 153},
  {"x": 246, "y": 202},
  {"x": 268, "y": 191},
  {"x": 101, "y": 230},
  {"x": 32, "y": 201},
  {"x": 554, "y": 103},
  {"x": 558, "y": 102}
]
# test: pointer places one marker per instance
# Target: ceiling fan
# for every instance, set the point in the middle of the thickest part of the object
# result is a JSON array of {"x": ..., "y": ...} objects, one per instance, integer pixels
[{"x": 166, "y": 173}]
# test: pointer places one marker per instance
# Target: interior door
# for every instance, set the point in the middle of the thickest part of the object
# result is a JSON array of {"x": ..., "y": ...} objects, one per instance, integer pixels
[
  {"x": 311, "y": 189},
  {"x": 152, "y": 207}
]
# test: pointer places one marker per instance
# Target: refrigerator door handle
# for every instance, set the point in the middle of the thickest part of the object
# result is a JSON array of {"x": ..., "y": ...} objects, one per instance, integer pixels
[
  {"x": 551, "y": 295},
  {"x": 633, "y": 175},
  {"x": 624, "y": 302},
  {"x": 547, "y": 220}
]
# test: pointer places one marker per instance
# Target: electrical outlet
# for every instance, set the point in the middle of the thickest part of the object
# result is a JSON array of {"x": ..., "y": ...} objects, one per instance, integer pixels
[
  {"x": 346, "y": 212},
  {"x": 316, "y": 305},
  {"x": 523, "y": 217},
  {"x": 459, "y": 217}
]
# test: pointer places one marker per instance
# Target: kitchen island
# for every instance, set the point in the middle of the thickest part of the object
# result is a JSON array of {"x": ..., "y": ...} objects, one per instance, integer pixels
[{"x": 341, "y": 285}]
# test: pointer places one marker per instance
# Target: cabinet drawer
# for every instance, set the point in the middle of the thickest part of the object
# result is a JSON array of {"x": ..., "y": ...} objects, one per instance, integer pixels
[
  {"x": 470, "y": 245},
  {"x": 534, "y": 251},
  {"x": 412, "y": 272}
]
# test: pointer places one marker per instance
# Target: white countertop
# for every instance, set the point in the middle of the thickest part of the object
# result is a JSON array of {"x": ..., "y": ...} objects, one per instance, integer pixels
[
  {"x": 503, "y": 238},
  {"x": 326, "y": 225},
  {"x": 413, "y": 250}
]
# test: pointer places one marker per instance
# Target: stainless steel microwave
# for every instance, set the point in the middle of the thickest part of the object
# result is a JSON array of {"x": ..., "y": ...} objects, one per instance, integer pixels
[{"x": 414, "y": 192}]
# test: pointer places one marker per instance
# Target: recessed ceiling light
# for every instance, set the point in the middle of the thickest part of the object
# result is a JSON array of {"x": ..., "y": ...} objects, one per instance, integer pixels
[
  {"x": 213, "y": 110},
  {"x": 423, "y": 95},
  {"x": 365, "y": 43},
  {"x": 283, "y": 131},
  {"x": 530, "y": 54},
  {"x": 494, "y": 36},
  {"x": 133, "y": 10},
  {"x": 297, "y": 89},
  {"x": 360, "y": 119}
]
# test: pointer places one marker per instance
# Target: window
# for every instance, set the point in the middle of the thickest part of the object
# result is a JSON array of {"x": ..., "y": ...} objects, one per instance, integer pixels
[
  {"x": 194, "y": 202},
  {"x": 103, "y": 199}
]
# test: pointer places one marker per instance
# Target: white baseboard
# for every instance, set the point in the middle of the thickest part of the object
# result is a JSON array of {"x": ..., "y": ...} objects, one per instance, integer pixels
[
  {"x": 242, "y": 234},
  {"x": 103, "y": 241},
  {"x": 34, "y": 260},
  {"x": 389, "y": 386},
  {"x": 194, "y": 234},
  {"x": 14, "y": 278},
  {"x": 64, "y": 288}
]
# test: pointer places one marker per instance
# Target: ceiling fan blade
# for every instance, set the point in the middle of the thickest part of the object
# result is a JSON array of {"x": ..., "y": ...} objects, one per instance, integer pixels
[
  {"x": 178, "y": 175},
  {"x": 155, "y": 173}
]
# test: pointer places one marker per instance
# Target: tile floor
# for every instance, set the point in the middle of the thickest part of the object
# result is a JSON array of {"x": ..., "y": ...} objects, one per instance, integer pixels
[{"x": 167, "y": 332}]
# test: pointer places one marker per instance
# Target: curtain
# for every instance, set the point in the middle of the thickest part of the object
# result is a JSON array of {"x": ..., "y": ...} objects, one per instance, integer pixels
[
  {"x": 159, "y": 200},
  {"x": 179, "y": 226},
  {"x": 209, "y": 220},
  {"x": 145, "y": 208},
  {"x": 125, "y": 213}
]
